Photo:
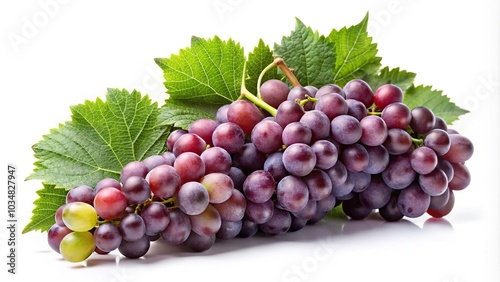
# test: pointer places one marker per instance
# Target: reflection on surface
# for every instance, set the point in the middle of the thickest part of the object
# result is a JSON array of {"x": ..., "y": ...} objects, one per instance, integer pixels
[{"x": 329, "y": 233}]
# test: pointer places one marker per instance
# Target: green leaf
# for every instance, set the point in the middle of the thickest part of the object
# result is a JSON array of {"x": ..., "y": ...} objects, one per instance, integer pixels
[
  {"x": 208, "y": 72},
  {"x": 401, "y": 78},
  {"x": 435, "y": 100},
  {"x": 181, "y": 115},
  {"x": 310, "y": 55},
  {"x": 49, "y": 200},
  {"x": 100, "y": 139},
  {"x": 356, "y": 55},
  {"x": 258, "y": 59}
]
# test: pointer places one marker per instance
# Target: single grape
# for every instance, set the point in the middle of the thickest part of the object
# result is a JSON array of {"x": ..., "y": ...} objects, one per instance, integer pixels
[
  {"x": 156, "y": 160},
  {"x": 396, "y": 115},
  {"x": 461, "y": 149},
  {"x": 164, "y": 181},
  {"x": 204, "y": 128},
  {"x": 274, "y": 92},
  {"x": 434, "y": 183},
  {"x": 234, "y": 208},
  {"x": 374, "y": 131},
  {"x": 423, "y": 160},
  {"x": 447, "y": 167},
  {"x": 308, "y": 212},
  {"x": 355, "y": 157},
  {"x": 413, "y": 201},
  {"x": 58, "y": 215},
  {"x": 274, "y": 165},
  {"x": 326, "y": 154},
  {"x": 135, "y": 249},
  {"x": 79, "y": 216},
  {"x": 297, "y": 223},
  {"x": 337, "y": 173},
  {"x": 156, "y": 217},
  {"x": 245, "y": 114},
  {"x": 110, "y": 203},
  {"x": 345, "y": 188},
  {"x": 178, "y": 228},
  {"x": 296, "y": 132},
  {"x": 399, "y": 174},
  {"x": 207, "y": 222},
  {"x": 378, "y": 159},
  {"x": 326, "y": 204},
  {"x": 278, "y": 224},
  {"x": 249, "y": 159},
  {"x": 248, "y": 228},
  {"x": 438, "y": 140},
  {"x": 216, "y": 159},
  {"x": 376, "y": 195},
  {"x": 259, "y": 212},
  {"x": 288, "y": 112},
  {"x": 199, "y": 243},
  {"x": 422, "y": 119},
  {"x": 221, "y": 114},
  {"x": 356, "y": 109},
  {"x": 238, "y": 177},
  {"x": 391, "y": 212},
  {"x": 80, "y": 193},
  {"x": 346, "y": 129},
  {"x": 387, "y": 94},
  {"x": 359, "y": 90},
  {"x": 134, "y": 168},
  {"x": 332, "y": 104},
  {"x": 440, "y": 124},
  {"x": 107, "y": 182},
  {"x": 319, "y": 184},
  {"x": 107, "y": 237},
  {"x": 229, "y": 230},
  {"x": 77, "y": 246},
  {"x": 318, "y": 122},
  {"x": 330, "y": 88},
  {"x": 132, "y": 227},
  {"x": 192, "y": 198},
  {"x": 136, "y": 189},
  {"x": 219, "y": 186},
  {"x": 228, "y": 136},
  {"x": 55, "y": 235},
  {"x": 189, "y": 142},
  {"x": 361, "y": 180},
  {"x": 299, "y": 159},
  {"x": 398, "y": 141},
  {"x": 461, "y": 177},
  {"x": 292, "y": 193},
  {"x": 189, "y": 166},
  {"x": 266, "y": 136},
  {"x": 259, "y": 186}
]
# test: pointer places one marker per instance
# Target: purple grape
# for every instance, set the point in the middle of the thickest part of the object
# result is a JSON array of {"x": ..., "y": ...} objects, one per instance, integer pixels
[
  {"x": 259, "y": 186},
  {"x": 346, "y": 129},
  {"x": 292, "y": 193},
  {"x": 299, "y": 159},
  {"x": 178, "y": 229},
  {"x": 413, "y": 201}
]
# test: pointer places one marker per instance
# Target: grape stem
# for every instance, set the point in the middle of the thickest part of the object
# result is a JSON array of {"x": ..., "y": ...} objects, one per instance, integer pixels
[
  {"x": 278, "y": 62},
  {"x": 245, "y": 94}
]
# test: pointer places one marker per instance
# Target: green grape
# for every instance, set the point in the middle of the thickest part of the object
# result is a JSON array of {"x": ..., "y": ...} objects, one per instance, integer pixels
[
  {"x": 79, "y": 216},
  {"x": 77, "y": 246}
]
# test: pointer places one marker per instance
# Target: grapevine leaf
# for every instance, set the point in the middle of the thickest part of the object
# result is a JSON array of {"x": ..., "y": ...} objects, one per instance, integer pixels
[
  {"x": 180, "y": 115},
  {"x": 309, "y": 54},
  {"x": 258, "y": 59},
  {"x": 356, "y": 55},
  {"x": 401, "y": 78},
  {"x": 434, "y": 100},
  {"x": 208, "y": 72},
  {"x": 50, "y": 199},
  {"x": 100, "y": 139}
]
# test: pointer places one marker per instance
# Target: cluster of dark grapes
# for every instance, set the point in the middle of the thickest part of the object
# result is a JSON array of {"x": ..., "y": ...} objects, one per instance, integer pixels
[{"x": 250, "y": 171}]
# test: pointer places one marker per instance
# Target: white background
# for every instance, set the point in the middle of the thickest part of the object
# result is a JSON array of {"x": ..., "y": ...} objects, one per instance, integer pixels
[{"x": 71, "y": 51}]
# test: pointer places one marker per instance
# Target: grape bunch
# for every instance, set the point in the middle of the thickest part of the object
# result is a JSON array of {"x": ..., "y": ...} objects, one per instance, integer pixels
[{"x": 272, "y": 164}]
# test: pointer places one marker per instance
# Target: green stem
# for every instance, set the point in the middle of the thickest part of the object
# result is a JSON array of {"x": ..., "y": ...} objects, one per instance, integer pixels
[
  {"x": 261, "y": 75},
  {"x": 417, "y": 141},
  {"x": 307, "y": 100},
  {"x": 245, "y": 94}
]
